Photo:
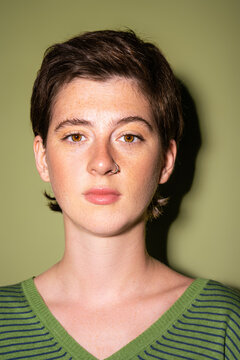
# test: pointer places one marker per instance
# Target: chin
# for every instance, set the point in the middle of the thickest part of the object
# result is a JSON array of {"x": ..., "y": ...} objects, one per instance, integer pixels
[
  {"x": 114, "y": 227},
  {"x": 107, "y": 223}
]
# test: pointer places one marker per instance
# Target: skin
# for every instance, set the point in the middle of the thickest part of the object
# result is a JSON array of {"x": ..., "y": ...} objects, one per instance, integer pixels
[{"x": 105, "y": 244}]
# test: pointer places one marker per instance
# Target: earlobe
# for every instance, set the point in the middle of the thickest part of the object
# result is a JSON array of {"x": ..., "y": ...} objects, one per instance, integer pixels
[
  {"x": 169, "y": 162},
  {"x": 40, "y": 158}
]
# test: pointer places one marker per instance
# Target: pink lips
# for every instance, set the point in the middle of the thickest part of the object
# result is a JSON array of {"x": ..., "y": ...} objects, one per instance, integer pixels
[{"x": 102, "y": 196}]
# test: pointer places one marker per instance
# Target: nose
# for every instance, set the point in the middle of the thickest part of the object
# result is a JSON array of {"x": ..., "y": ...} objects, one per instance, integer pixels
[{"x": 101, "y": 161}]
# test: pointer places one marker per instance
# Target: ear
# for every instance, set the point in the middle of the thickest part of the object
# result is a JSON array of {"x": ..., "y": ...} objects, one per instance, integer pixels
[
  {"x": 40, "y": 158},
  {"x": 169, "y": 162}
]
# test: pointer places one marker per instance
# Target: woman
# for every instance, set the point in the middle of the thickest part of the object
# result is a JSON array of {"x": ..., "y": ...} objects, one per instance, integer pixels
[{"x": 107, "y": 119}]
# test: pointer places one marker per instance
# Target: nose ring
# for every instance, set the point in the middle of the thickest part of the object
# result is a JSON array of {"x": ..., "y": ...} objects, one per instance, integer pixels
[{"x": 116, "y": 169}]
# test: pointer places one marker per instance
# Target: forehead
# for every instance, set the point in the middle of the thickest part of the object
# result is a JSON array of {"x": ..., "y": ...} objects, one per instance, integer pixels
[{"x": 90, "y": 99}]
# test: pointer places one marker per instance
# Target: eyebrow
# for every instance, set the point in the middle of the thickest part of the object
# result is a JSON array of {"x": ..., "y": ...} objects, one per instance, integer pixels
[
  {"x": 131, "y": 119},
  {"x": 125, "y": 120},
  {"x": 72, "y": 122}
]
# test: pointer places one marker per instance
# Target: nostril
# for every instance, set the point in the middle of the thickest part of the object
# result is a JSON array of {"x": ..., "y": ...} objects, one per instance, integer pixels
[
  {"x": 116, "y": 170},
  {"x": 102, "y": 163}
]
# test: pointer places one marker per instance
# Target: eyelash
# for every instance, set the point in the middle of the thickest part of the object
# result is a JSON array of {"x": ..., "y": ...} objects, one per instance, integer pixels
[
  {"x": 136, "y": 138},
  {"x": 70, "y": 136}
]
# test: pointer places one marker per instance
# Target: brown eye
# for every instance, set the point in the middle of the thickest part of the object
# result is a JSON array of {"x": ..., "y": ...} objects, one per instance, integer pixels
[
  {"x": 76, "y": 137},
  {"x": 129, "y": 138}
]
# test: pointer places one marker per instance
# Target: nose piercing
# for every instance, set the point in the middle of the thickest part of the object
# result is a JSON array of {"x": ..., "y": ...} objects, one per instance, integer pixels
[{"x": 116, "y": 169}]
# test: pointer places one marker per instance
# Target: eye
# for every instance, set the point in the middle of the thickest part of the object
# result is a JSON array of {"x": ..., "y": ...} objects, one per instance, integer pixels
[
  {"x": 75, "y": 138},
  {"x": 130, "y": 138}
]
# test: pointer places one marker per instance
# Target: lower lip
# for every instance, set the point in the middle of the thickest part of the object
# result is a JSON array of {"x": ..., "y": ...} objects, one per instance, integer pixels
[{"x": 102, "y": 199}]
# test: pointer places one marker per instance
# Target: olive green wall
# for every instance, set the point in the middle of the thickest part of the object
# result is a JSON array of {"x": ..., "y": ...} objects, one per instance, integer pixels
[{"x": 200, "y": 38}]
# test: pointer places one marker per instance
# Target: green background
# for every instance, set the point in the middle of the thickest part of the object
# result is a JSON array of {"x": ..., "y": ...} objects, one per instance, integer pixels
[{"x": 200, "y": 39}]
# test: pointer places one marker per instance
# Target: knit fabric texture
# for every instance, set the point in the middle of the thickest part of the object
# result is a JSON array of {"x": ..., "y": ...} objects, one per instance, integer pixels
[{"x": 204, "y": 323}]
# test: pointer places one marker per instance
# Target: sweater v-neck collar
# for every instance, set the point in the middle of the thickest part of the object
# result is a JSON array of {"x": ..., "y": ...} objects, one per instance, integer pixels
[{"x": 129, "y": 350}]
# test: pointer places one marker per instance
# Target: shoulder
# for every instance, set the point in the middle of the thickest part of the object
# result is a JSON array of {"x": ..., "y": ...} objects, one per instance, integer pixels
[
  {"x": 216, "y": 311},
  {"x": 203, "y": 323},
  {"x": 217, "y": 303},
  {"x": 24, "y": 333},
  {"x": 12, "y": 300},
  {"x": 11, "y": 293},
  {"x": 219, "y": 298}
]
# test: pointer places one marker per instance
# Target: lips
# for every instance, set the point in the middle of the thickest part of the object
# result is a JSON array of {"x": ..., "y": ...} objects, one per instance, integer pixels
[{"x": 102, "y": 196}]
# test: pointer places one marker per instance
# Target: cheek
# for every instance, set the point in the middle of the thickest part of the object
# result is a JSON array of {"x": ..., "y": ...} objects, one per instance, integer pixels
[
  {"x": 60, "y": 173},
  {"x": 145, "y": 177}
]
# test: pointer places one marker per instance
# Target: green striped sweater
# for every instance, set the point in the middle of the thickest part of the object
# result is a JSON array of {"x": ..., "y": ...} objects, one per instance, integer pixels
[{"x": 204, "y": 323}]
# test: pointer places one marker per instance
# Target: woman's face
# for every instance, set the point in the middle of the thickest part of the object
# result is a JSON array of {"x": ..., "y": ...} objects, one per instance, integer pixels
[{"x": 94, "y": 126}]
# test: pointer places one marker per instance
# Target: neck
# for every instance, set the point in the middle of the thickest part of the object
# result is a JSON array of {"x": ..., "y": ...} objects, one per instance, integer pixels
[{"x": 103, "y": 268}]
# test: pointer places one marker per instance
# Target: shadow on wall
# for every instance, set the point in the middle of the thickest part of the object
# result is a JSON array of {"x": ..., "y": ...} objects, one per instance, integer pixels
[{"x": 180, "y": 182}]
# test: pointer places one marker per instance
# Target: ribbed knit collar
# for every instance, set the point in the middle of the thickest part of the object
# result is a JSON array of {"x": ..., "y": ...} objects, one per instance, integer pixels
[{"x": 157, "y": 329}]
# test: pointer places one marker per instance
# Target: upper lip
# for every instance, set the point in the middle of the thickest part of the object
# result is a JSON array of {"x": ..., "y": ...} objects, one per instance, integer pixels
[{"x": 102, "y": 191}]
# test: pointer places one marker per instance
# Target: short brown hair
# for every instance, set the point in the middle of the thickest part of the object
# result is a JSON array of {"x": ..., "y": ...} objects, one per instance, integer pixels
[{"x": 100, "y": 55}]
